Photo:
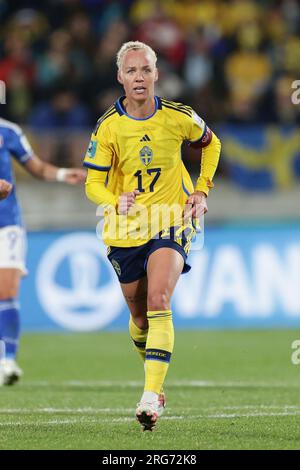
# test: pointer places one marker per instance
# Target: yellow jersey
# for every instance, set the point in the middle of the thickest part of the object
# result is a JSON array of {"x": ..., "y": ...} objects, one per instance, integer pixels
[{"x": 127, "y": 153}]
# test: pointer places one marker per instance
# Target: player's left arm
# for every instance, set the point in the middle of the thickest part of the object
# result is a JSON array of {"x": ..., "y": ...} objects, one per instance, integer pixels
[
  {"x": 210, "y": 146},
  {"x": 47, "y": 172},
  {"x": 21, "y": 149}
]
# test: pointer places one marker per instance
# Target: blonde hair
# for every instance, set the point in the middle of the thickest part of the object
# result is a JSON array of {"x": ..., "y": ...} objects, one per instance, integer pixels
[{"x": 134, "y": 46}]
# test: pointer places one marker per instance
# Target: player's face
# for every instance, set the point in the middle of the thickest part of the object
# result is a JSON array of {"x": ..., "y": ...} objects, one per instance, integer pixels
[{"x": 138, "y": 75}]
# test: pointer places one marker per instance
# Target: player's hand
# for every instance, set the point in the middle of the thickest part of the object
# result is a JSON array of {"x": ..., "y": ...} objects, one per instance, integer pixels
[
  {"x": 74, "y": 175},
  {"x": 126, "y": 201},
  {"x": 195, "y": 206},
  {"x": 5, "y": 189}
]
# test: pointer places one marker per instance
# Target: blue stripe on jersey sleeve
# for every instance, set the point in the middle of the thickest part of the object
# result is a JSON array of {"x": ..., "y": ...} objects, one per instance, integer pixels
[
  {"x": 19, "y": 146},
  {"x": 25, "y": 158},
  {"x": 96, "y": 167}
]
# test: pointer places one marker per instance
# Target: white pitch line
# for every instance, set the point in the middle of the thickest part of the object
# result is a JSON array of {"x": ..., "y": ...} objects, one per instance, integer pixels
[
  {"x": 64, "y": 410},
  {"x": 120, "y": 420},
  {"x": 53, "y": 422},
  {"x": 175, "y": 383},
  {"x": 90, "y": 410},
  {"x": 251, "y": 415},
  {"x": 268, "y": 407}
]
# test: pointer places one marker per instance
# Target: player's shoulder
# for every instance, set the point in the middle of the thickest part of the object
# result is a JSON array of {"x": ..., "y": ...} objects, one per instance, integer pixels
[
  {"x": 10, "y": 127},
  {"x": 176, "y": 107},
  {"x": 110, "y": 115}
]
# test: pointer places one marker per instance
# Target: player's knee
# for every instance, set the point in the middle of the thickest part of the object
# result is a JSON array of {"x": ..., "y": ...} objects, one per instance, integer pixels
[
  {"x": 158, "y": 299},
  {"x": 141, "y": 322}
]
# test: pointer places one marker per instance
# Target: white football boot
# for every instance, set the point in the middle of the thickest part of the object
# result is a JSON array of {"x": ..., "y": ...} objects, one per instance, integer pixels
[
  {"x": 10, "y": 372},
  {"x": 147, "y": 413}
]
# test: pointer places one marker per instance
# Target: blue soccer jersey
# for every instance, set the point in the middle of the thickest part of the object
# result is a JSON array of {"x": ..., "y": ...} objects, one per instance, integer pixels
[{"x": 13, "y": 143}]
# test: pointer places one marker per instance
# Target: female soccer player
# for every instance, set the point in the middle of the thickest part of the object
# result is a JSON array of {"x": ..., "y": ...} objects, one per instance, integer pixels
[
  {"x": 12, "y": 263},
  {"x": 136, "y": 173}
]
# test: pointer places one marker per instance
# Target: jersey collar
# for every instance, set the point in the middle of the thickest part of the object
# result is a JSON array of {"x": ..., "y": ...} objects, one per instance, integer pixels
[{"x": 121, "y": 110}]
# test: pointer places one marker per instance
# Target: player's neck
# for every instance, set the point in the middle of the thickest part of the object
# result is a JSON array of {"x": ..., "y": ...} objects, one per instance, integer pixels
[{"x": 139, "y": 109}]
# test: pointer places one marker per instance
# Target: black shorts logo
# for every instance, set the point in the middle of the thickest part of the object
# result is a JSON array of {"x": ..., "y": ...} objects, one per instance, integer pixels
[{"x": 116, "y": 266}]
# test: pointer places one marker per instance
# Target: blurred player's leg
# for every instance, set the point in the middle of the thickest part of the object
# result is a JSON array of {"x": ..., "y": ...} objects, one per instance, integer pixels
[
  {"x": 163, "y": 270},
  {"x": 9, "y": 325}
]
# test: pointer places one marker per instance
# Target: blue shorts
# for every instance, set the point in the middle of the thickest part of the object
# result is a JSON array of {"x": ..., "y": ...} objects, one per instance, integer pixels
[{"x": 130, "y": 264}]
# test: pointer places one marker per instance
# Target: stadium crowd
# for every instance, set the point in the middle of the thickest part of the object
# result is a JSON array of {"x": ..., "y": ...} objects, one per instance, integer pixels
[{"x": 232, "y": 60}]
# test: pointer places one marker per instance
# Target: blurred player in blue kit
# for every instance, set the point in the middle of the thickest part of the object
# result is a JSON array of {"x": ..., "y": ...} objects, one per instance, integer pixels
[{"x": 13, "y": 143}]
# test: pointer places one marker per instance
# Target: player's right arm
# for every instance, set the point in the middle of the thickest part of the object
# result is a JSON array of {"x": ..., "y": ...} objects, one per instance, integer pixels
[
  {"x": 96, "y": 191},
  {"x": 98, "y": 160},
  {"x": 5, "y": 189},
  {"x": 125, "y": 201}
]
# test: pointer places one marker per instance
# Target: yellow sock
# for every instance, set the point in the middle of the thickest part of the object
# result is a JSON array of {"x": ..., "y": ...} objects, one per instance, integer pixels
[
  {"x": 139, "y": 338},
  {"x": 159, "y": 347}
]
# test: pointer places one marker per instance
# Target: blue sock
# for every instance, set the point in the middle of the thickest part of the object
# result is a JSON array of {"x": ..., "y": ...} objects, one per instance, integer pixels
[{"x": 10, "y": 326}]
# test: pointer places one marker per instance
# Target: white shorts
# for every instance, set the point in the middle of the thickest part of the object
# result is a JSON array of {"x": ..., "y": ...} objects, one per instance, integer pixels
[{"x": 13, "y": 248}]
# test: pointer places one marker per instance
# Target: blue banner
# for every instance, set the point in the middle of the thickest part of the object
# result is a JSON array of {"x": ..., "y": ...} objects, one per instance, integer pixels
[{"x": 243, "y": 277}]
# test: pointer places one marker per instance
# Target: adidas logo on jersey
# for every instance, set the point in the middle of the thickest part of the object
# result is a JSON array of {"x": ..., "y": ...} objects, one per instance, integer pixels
[{"x": 145, "y": 138}]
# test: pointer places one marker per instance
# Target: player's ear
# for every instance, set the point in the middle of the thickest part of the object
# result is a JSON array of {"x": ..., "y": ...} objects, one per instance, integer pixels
[
  {"x": 156, "y": 75},
  {"x": 120, "y": 77}
]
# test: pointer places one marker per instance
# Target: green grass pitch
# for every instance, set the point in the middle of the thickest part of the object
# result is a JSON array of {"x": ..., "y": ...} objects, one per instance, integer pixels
[{"x": 225, "y": 390}]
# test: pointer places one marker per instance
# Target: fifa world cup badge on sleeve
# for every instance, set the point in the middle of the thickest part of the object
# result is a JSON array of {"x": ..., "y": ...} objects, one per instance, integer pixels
[{"x": 91, "y": 152}]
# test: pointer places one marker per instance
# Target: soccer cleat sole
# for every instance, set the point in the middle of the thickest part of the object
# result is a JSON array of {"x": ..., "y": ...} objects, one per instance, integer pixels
[
  {"x": 11, "y": 379},
  {"x": 146, "y": 420}
]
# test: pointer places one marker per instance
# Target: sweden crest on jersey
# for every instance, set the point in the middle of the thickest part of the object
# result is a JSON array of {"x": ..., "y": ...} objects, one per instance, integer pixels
[{"x": 146, "y": 155}]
